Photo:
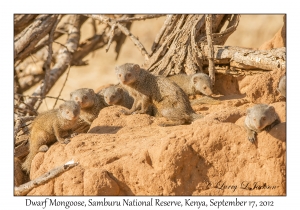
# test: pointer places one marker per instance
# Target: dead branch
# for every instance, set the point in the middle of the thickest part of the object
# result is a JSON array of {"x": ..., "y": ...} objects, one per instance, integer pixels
[
  {"x": 111, "y": 36},
  {"x": 111, "y": 22},
  {"x": 88, "y": 46},
  {"x": 273, "y": 59},
  {"x": 120, "y": 37},
  {"x": 160, "y": 33},
  {"x": 64, "y": 58},
  {"x": 145, "y": 17},
  {"x": 61, "y": 30},
  {"x": 22, "y": 21},
  {"x": 22, "y": 148},
  {"x": 178, "y": 49},
  {"x": 62, "y": 86},
  {"x": 25, "y": 188},
  {"x": 210, "y": 57},
  {"x": 28, "y": 38},
  {"x": 19, "y": 123}
]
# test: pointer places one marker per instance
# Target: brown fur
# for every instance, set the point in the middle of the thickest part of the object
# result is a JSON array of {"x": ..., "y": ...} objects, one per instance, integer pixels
[
  {"x": 50, "y": 126},
  {"x": 91, "y": 104},
  {"x": 193, "y": 84},
  {"x": 116, "y": 95},
  {"x": 258, "y": 118},
  {"x": 169, "y": 99},
  {"x": 282, "y": 86}
]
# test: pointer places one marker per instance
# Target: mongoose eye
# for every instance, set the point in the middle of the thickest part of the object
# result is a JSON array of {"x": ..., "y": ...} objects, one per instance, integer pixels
[
  {"x": 113, "y": 96},
  {"x": 254, "y": 119},
  {"x": 67, "y": 112},
  {"x": 204, "y": 88},
  {"x": 76, "y": 98},
  {"x": 119, "y": 75},
  {"x": 264, "y": 118},
  {"x": 85, "y": 97},
  {"x": 129, "y": 75}
]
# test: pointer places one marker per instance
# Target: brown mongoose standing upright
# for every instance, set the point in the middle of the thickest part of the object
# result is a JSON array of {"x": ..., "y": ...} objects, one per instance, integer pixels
[
  {"x": 193, "y": 84},
  {"x": 116, "y": 95},
  {"x": 258, "y": 118},
  {"x": 169, "y": 99},
  {"x": 50, "y": 126},
  {"x": 90, "y": 103},
  {"x": 282, "y": 86}
]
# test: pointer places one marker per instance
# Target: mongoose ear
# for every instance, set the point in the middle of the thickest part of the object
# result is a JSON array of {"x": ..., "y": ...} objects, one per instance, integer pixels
[
  {"x": 116, "y": 69},
  {"x": 195, "y": 79},
  {"x": 61, "y": 107},
  {"x": 71, "y": 94},
  {"x": 136, "y": 68},
  {"x": 248, "y": 111},
  {"x": 271, "y": 108},
  {"x": 91, "y": 91},
  {"x": 119, "y": 90}
]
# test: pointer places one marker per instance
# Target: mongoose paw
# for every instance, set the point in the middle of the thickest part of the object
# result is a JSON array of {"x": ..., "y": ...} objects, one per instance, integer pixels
[
  {"x": 252, "y": 138},
  {"x": 43, "y": 148},
  {"x": 66, "y": 141},
  {"x": 74, "y": 134}
]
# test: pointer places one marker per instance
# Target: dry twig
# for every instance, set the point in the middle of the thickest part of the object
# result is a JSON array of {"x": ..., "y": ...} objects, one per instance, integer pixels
[
  {"x": 111, "y": 22},
  {"x": 64, "y": 58},
  {"x": 62, "y": 86},
  {"x": 25, "y": 188}
]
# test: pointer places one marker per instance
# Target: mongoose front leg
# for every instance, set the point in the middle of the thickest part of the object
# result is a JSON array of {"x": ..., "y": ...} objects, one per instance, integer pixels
[
  {"x": 58, "y": 135},
  {"x": 145, "y": 103},
  {"x": 251, "y": 135},
  {"x": 133, "y": 108}
]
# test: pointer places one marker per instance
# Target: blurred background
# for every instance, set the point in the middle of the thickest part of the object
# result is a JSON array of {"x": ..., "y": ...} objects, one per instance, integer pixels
[{"x": 253, "y": 31}]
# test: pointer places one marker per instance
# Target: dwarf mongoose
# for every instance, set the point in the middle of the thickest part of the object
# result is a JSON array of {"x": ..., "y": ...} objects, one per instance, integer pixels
[
  {"x": 168, "y": 98},
  {"x": 116, "y": 95},
  {"x": 90, "y": 103},
  {"x": 193, "y": 84},
  {"x": 50, "y": 126},
  {"x": 258, "y": 118},
  {"x": 282, "y": 86}
]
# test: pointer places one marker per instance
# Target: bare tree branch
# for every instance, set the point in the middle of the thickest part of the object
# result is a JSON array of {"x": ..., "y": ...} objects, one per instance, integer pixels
[
  {"x": 111, "y": 36},
  {"x": 28, "y": 38},
  {"x": 64, "y": 57},
  {"x": 160, "y": 33},
  {"x": 25, "y": 188},
  {"x": 145, "y": 17},
  {"x": 274, "y": 59},
  {"x": 111, "y": 22},
  {"x": 211, "y": 65},
  {"x": 62, "y": 86},
  {"x": 22, "y": 21}
]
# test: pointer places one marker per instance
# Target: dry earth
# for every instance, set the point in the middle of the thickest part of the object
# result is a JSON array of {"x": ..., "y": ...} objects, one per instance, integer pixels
[{"x": 132, "y": 155}]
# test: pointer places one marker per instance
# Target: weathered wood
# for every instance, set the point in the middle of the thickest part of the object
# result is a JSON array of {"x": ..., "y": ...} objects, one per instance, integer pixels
[
  {"x": 25, "y": 188},
  {"x": 177, "y": 47},
  {"x": 29, "y": 37},
  {"x": 274, "y": 59},
  {"x": 64, "y": 58},
  {"x": 111, "y": 22},
  {"x": 210, "y": 57},
  {"x": 21, "y": 21}
]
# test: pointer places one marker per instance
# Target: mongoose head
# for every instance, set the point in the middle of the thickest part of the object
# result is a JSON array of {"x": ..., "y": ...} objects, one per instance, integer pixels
[
  {"x": 69, "y": 110},
  {"x": 112, "y": 95},
  {"x": 202, "y": 84},
  {"x": 127, "y": 73},
  {"x": 85, "y": 97},
  {"x": 259, "y": 116},
  {"x": 282, "y": 86}
]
